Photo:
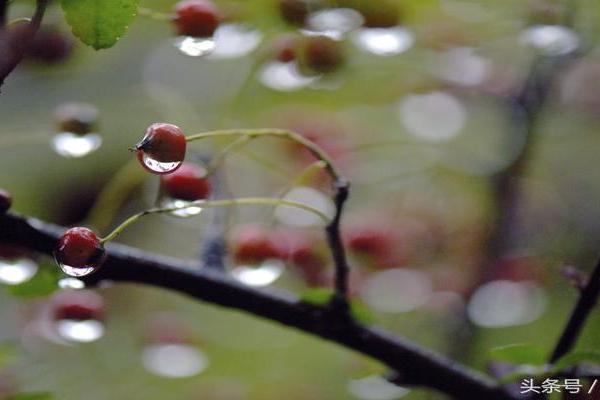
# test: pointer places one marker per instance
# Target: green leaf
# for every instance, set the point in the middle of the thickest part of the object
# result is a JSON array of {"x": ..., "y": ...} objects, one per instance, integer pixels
[
  {"x": 32, "y": 396},
  {"x": 43, "y": 283},
  {"x": 576, "y": 357},
  {"x": 317, "y": 296},
  {"x": 99, "y": 23},
  {"x": 519, "y": 353}
]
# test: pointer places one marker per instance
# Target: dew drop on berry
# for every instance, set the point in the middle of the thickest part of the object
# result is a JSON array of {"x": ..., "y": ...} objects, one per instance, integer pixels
[
  {"x": 16, "y": 271},
  {"x": 185, "y": 209},
  {"x": 384, "y": 42},
  {"x": 235, "y": 41},
  {"x": 195, "y": 46},
  {"x": 83, "y": 331},
  {"x": 77, "y": 271},
  {"x": 71, "y": 283},
  {"x": 72, "y": 145},
  {"x": 551, "y": 40},
  {"x": 173, "y": 360},
  {"x": 157, "y": 166},
  {"x": 262, "y": 274}
]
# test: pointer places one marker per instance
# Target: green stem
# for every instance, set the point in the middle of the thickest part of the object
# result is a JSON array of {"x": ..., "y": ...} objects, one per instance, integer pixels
[
  {"x": 211, "y": 204},
  {"x": 220, "y": 157},
  {"x": 281, "y": 133}
]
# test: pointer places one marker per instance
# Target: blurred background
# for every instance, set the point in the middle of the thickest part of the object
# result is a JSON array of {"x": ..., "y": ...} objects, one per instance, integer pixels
[{"x": 412, "y": 100}]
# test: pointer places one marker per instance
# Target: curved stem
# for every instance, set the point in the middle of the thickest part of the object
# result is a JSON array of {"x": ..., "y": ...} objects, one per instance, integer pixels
[
  {"x": 220, "y": 157},
  {"x": 253, "y": 201}
]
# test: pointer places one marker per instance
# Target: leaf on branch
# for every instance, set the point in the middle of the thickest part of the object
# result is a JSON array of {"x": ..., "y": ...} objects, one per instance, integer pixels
[
  {"x": 519, "y": 353},
  {"x": 576, "y": 357},
  {"x": 99, "y": 23},
  {"x": 43, "y": 283}
]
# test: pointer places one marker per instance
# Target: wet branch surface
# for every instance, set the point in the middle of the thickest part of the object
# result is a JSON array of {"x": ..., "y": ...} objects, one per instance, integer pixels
[{"x": 412, "y": 364}]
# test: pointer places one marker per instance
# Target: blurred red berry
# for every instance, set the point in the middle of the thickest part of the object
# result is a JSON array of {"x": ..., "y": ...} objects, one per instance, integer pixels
[
  {"x": 79, "y": 305},
  {"x": 189, "y": 183},
  {"x": 294, "y": 12},
  {"x": 79, "y": 247},
  {"x": 253, "y": 244},
  {"x": 196, "y": 18},
  {"x": 50, "y": 46},
  {"x": 78, "y": 118},
  {"x": 321, "y": 54}
]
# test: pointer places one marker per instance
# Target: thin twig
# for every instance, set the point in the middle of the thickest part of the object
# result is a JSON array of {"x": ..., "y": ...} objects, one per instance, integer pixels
[
  {"x": 587, "y": 300},
  {"x": 416, "y": 365}
]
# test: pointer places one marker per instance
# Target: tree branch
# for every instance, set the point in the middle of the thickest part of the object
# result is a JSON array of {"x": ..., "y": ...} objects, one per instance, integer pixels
[
  {"x": 15, "y": 42},
  {"x": 587, "y": 300},
  {"x": 416, "y": 366}
]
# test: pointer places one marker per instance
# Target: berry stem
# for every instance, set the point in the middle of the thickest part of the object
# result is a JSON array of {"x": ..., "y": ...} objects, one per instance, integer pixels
[
  {"x": 155, "y": 15},
  {"x": 256, "y": 201},
  {"x": 281, "y": 133},
  {"x": 220, "y": 157}
]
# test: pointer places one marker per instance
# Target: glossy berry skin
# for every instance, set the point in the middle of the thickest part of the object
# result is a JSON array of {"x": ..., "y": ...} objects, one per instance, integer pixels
[
  {"x": 189, "y": 183},
  {"x": 196, "y": 18},
  {"x": 79, "y": 247},
  {"x": 164, "y": 143},
  {"x": 5, "y": 201},
  {"x": 252, "y": 244},
  {"x": 78, "y": 118},
  {"x": 321, "y": 54}
]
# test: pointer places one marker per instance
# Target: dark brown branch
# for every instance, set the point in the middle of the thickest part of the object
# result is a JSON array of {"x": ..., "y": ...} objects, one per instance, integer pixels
[
  {"x": 3, "y": 12},
  {"x": 416, "y": 366},
  {"x": 15, "y": 42},
  {"x": 587, "y": 300},
  {"x": 335, "y": 241}
]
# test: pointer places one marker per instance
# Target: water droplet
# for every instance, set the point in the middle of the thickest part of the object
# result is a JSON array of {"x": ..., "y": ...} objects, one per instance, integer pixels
[
  {"x": 71, "y": 145},
  {"x": 83, "y": 331},
  {"x": 504, "y": 303},
  {"x": 157, "y": 166},
  {"x": 284, "y": 76},
  {"x": 551, "y": 40},
  {"x": 297, "y": 217},
  {"x": 195, "y": 46},
  {"x": 260, "y": 275},
  {"x": 416, "y": 111},
  {"x": 234, "y": 41},
  {"x": 16, "y": 271},
  {"x": 76, "y": 271},
  {"x": 396, "y": 290},
  {"x": 71, "y": 283},
  {"x": 460, "y": 65},
  {"x": 183, "y": 212},
  {"x": 384, "y": 42},
  {"x": 375, "y": 387},
  {"x": 335, "y": 23},
  {"x": 174, "y": 360}
]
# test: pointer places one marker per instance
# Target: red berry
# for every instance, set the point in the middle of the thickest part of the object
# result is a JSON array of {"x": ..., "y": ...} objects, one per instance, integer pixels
[
  {"x": 284, "y": 48},
  {"x": 163, "y": 143},
  {"x": 79, "y": 248},
  {"x": 50, "y": 46},
  {"x": 196, "y": 18},
  {"x": 5, "y": 201},
  {"x": 304, "y": 254},
  {"x": 78, "y": 305},
  {"x": 79, "y": 118},
  {"x": 252, "y": 244},
  {"x": 189, "y": 183},
  {"x": 321, "y": 54},
  {"x": 294, "y": 12}
]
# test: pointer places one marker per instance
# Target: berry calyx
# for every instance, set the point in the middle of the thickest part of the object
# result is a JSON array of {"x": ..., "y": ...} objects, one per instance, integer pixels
[
  {"x": 78, "y": 118},
  {"x": 79, "y": 247},
  {"x": 189, "y": 183},
  {"x": 196, "y": 18},
  {"x": 162, "y": 144},
  {"x": 252, "y": 244},
  {"x": 321, "y": 54},
  {"x": 5, "y": 201}
]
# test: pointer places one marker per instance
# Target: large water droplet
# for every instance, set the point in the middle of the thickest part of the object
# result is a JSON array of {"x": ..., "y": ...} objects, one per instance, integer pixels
[
  {"x": 297, "y": 217},
  {"x": 284, "y": 76},
  {"x": 259, "y": 275},
  {"x": 83, "y": 331},
  {"x": 174, "y": 360},
  {"x": 234, "y": 41},
  {"x": 195, "y": 46},
  {"x": 384, "y": 42},
  {"x": 187, "y": 209},
  {"x": 71, "y": 145},
  {"x": 157, "y": 166},
  {"x": 71, "y": 283},
  {"x": 335, "y": 23},
  {"x": 551, "y": 40},
  {"x": 375, "y": 387},
  {"x": 16, "y": 271},
  {"x": 77, "y": 271},
  {"x": 504, "y": 303}
]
